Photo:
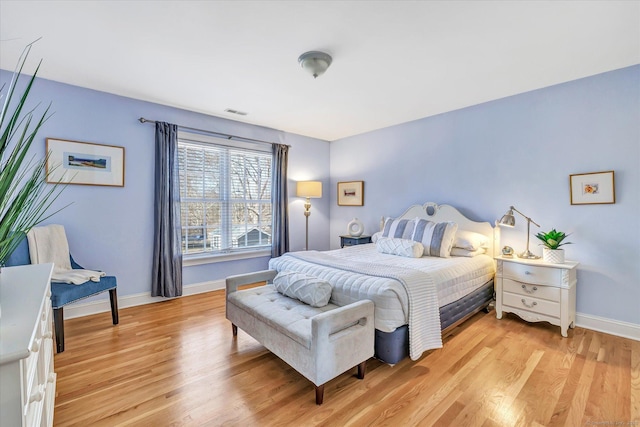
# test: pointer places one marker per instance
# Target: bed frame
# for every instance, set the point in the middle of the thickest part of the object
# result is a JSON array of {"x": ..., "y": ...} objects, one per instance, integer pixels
[
  {"x": 392, "y": 347},
  {"x": 441, "y": 213}
]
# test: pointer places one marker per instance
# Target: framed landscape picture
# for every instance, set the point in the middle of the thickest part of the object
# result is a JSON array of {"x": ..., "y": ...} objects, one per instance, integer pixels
[
  {"x": 592, "y": 188},
  {"x": 84, "y": 163},
  {"x": 351, "y": 193}
]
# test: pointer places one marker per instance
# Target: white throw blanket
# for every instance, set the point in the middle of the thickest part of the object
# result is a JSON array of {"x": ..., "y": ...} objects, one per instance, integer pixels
[
  {"x": 424, "y": 314},
  {"x": 49, "y": 244}
]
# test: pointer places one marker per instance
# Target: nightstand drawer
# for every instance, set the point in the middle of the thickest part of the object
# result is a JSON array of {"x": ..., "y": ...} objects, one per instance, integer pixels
[
  {"x": 532, "y": 273},
  {"x": 352, "y": 240},
  {"x": 535, "y": 305},
  {"x": 531, "y": 290}
]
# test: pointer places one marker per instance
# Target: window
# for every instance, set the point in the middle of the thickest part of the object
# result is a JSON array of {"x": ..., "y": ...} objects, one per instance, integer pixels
[{"x": 225, "y": 194}]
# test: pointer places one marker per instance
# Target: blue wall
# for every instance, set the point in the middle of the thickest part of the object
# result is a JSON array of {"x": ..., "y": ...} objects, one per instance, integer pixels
[
  {"x": 514, "y": 151},
  {"x": 519, "y": 151},
  {"x": 111, "y": 228}
]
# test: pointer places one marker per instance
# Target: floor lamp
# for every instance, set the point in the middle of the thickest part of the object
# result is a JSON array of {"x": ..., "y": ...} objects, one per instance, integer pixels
[{"x": 309, "y": 190}]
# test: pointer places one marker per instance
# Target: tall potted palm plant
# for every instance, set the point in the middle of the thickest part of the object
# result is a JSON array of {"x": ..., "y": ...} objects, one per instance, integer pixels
[{"x": 25, "y": 198}]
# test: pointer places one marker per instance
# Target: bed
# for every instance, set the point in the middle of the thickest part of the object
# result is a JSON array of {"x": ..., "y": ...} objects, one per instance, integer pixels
[{"x": 418, "y": 297}]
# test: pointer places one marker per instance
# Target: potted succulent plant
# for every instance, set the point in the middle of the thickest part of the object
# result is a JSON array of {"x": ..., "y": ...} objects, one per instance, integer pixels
[{"x": 552, "y": 240}]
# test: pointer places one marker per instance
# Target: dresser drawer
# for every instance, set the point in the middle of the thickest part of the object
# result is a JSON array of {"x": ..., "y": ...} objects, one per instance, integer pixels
[
  {"x": 531, "y": 290},
  {"x": 31, "y": 364},
  {"x": 532, "y": 273},
  {"x": 535, "y": 305},
  {"x": 27, "y": 382}
]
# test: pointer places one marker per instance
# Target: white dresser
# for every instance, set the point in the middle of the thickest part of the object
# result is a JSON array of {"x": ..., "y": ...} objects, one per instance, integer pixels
[
  {"x": 537, "y": 291},
  {"x": 27, "y": 380}
]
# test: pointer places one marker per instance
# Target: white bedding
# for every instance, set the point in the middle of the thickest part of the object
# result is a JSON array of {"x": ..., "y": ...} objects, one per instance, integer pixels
[
  {"x": 454, "y": 277},
  {"x": 424, "y": 316}
]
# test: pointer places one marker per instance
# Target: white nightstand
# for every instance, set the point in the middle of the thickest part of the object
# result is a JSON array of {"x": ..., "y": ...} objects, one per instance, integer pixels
[{"x": 537, "y": 291}]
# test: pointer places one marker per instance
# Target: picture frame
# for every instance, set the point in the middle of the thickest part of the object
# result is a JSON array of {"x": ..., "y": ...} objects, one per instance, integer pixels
[
  {"x": 84, "y": 163},
  {"x": 592, "y": 188},
  {"x": 351, "y": 193}
]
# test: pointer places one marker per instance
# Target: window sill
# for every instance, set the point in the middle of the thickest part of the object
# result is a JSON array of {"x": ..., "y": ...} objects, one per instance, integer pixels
[{"x": 212, "y": 259}]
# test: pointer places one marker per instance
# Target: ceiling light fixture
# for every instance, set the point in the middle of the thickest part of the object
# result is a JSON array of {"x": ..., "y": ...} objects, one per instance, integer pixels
[{"x": 315, "y": 62}]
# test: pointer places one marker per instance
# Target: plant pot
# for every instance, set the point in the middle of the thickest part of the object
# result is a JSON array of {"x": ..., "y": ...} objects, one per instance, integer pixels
[{"x": 553, "y": 256}]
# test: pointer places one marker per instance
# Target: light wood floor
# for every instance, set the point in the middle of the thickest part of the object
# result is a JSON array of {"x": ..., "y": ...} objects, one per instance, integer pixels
[{"x": 175, "y": 363}]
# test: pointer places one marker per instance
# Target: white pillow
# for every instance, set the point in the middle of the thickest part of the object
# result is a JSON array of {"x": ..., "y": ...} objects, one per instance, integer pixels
[
  {"x": 308, "y": 289},
  {"x": 466, "y": 252},
  {"x": 397, "y": 227},
  {"x": 470, "y": 240},
  {"x": 376, "y": 236},
  {"x": 401, "y": 247},
  {"x": 437, "y": 238}
]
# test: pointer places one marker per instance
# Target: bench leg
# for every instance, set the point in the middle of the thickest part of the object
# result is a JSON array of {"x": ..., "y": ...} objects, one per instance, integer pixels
[
  {"x": 319, "y": 394},
  {"x": 113, "y": 297},
  {"x": 234, "y": 330},
  {"x": 362, "y": 368},
  {"x": 58, "y": 325}
]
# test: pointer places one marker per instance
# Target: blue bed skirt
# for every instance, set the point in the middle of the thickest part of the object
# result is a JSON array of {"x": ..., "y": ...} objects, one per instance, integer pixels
[{"x": 392, "y": 347}]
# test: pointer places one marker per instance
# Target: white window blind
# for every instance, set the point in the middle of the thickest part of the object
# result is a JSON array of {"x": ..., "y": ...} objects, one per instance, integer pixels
[{"x": 225, "y": 195}]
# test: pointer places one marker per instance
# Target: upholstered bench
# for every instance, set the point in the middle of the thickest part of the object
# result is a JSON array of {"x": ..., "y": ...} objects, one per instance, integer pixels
[{"x": 318, "y": 342}]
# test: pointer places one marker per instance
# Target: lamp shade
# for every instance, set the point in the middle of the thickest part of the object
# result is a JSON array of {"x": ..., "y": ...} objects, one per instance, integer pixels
[
  {"x": 311, "y": 189},
  {"x": 315, "y": 62},
  {"x": 508, "y": 220}
]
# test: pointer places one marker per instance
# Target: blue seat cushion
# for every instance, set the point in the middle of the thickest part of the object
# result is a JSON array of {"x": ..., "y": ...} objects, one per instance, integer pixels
[{"x": 64, "y": 293}]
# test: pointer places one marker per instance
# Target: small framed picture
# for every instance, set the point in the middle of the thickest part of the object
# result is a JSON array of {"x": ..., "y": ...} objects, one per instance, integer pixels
[
  {"x": 84, "y": 163},
  {"x": 351, "y": 193},
  {"x": 592, "y": 188}
]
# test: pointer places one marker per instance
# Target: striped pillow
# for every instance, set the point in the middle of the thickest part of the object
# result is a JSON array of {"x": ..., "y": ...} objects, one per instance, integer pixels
[
  {"x": 437, "y": 238},
  {"x": 398, "y": 228}
]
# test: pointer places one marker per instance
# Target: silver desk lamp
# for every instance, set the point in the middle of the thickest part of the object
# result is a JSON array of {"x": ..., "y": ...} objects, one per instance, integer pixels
[{"x": 508, "y": 220}]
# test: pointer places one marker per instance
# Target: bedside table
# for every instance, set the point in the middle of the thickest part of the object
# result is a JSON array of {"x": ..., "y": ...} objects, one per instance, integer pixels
[
  {"x": 352, "y": 241},
  {"x": 537, "y": 291}
]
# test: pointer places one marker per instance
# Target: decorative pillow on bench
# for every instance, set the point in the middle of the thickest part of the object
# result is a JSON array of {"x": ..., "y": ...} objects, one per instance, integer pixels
[{"x": 308, "y": 289}]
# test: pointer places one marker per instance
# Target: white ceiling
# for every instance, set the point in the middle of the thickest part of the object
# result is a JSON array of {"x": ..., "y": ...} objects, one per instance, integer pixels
[{"x": 393, "y": 61}]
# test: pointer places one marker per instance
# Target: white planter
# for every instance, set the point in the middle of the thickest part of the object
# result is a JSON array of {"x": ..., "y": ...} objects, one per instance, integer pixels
[{"x": 553, "y": 256}]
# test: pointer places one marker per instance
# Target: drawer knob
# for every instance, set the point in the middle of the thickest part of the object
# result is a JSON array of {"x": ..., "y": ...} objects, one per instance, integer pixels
[
  {"x": 35, "y": 346},
  {"x": 527, "y": 272},
  {"x": 528, "y": 305},
  {"x": 535, "y": 288},
  {"x": 37, "y": 396}
]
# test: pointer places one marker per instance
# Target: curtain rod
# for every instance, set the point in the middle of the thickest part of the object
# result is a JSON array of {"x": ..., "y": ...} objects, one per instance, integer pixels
[{"x": 226, "y": 135}]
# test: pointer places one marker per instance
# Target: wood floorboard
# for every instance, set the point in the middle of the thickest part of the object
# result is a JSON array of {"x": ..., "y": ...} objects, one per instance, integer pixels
[{"x": 175, "y": 363}]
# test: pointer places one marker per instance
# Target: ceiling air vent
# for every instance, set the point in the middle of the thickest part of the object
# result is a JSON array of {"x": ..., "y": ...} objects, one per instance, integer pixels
[{"x": 232, "y": 111}]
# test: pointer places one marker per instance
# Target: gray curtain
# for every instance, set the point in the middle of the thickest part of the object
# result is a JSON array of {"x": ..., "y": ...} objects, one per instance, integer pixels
[
  {"x": 280, "y": 201},
  {"x": 166, "y": 279}
]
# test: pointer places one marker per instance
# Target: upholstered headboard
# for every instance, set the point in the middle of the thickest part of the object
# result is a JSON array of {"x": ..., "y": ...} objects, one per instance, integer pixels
[{"x": 441, "y": 213}]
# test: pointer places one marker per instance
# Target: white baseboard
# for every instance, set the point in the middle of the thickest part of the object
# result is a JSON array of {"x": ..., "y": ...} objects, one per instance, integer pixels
[
  {"x": 79, "y": 310},
  {"x": 587, "y": 321},
  {"x": 608, "y": 326}
]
